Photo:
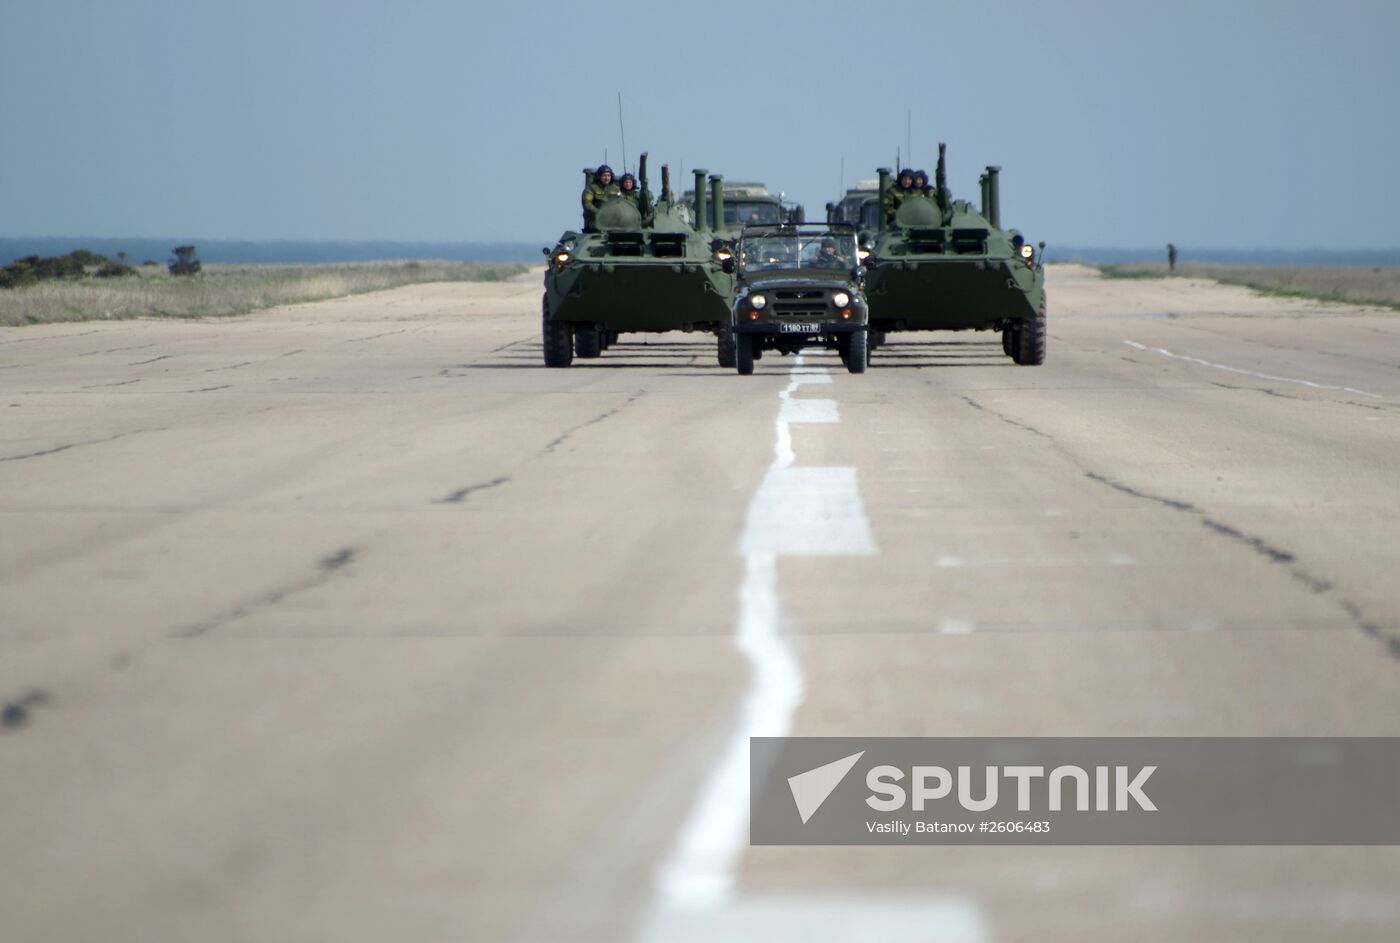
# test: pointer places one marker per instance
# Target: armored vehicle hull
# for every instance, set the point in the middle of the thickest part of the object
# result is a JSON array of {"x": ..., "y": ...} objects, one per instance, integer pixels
[
  {"x": 643, "y": 270},
  {"x": 941, "y": 265}
]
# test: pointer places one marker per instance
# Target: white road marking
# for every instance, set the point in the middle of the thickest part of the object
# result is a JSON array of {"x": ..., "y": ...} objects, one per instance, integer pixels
[
  {"x": 956, "y": 627},
  {"x": 796, "y": 511},
  {"x": 1250, "y": 373}
]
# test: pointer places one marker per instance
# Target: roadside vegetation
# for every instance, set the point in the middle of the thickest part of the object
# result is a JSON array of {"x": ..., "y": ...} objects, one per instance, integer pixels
[
  {"x": 83, "y": 292},
  {"x": 1355, "y": 284}
]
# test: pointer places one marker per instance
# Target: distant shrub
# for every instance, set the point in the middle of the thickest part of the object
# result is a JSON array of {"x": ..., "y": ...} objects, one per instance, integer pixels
[
  {"x": 184, "y": 262},
  {"x": 114, "y": 270},
  {"x": 33, "y": 268},
  {"x": 86, "y": 257}
]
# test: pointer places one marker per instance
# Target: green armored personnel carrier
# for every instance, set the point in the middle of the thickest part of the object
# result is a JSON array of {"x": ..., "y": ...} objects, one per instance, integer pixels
[
  {"x": 644, "y": 269},
  {"x": 942, "y": 265}
]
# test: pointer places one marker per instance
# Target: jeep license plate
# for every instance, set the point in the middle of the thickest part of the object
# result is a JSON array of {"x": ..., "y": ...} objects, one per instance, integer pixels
[{"x": 801, "y": 328}]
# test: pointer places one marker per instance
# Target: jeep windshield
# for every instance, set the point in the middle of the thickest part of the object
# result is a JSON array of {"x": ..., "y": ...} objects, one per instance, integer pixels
[{"x": 833, "y": 251}]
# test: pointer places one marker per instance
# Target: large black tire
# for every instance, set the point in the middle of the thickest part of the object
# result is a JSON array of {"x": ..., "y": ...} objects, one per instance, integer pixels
[
  {"x": 857, "y": 352},
  {"x": 743, "y": 354},
  {"x": 558, "y": 341},
  {"x": 588, "y": 341},
  {"x": 724, "y": 346},
  {"x": 1030, "y": 349}
]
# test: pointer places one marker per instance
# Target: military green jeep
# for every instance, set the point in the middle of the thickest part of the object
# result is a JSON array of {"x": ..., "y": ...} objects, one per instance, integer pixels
[{"x": 797, "y": 285}]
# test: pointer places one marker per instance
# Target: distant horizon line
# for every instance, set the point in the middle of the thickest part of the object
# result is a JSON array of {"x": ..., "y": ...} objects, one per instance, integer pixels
[
  {"x": 262, "y": 240},
  {"x": 284, "y": 250}
]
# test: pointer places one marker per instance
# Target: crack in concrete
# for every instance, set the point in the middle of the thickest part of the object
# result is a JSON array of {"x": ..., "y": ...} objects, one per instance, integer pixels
[
  {"x": 1277, "y": 555},
  {"x": 326, "y": 568},
  {"x": 568, "y": 433},
  {"x": 460, "y": 495}
]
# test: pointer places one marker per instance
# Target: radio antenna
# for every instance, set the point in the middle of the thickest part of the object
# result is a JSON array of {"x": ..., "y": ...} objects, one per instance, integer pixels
[{"x": 622, "y": 131}]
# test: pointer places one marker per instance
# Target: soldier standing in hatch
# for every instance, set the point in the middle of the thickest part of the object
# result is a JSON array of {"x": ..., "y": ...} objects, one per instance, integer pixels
[
  {"x": 895, "y": 195},
  {"x": 1171, "y": 258},
  {"x": 601, "y": 189},
  {"x": 921, "y": 183},
  {"x": 629, "y": 192}
]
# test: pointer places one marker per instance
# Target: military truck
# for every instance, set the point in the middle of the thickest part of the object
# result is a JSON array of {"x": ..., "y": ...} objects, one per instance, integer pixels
[
  {"x": 860, "y": 207},
  {"x": 943, "y": 265},
  {"x": 644, "y": 269},
  {"x": 745, "y": 203},
  {"x": 799, "y": 285}
]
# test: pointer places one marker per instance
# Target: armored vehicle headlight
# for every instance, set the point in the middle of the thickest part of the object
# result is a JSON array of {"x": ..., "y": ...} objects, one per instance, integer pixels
[
  {"x": 1028, "y": 253},
  {"x": 862, "y": 254},
  {"x": 840, "y": 299},
  {"x": 722, "y": 255},
  {"x": 758, "y": 302},
  {"x": 561, "y": 257}
]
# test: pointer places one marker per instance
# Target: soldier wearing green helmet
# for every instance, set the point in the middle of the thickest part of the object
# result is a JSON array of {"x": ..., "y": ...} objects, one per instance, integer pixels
[{"x": 600, "y": 189}]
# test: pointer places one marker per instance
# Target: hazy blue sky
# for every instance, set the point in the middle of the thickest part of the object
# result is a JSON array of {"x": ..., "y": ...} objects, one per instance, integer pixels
[{"x": 1230, "y": 123}]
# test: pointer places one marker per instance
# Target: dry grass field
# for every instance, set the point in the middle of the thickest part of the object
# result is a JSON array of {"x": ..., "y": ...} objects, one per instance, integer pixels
[
  {"x": 225, "y": 289},
  {"x": 1358, "y": 284}
]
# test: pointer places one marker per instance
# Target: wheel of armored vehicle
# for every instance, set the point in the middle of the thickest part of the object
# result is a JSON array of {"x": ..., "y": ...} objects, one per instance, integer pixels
[
  {"x": 1030, "y": 349},
  {"x": 743, "y": 354},
  {"x": 558, "y": 342},
  {"x": 1009, "y": 343},
  {"x": 588, "y": 341},
  {"x": 725, "y": 346},
  {"x": 856, "y": 351}
]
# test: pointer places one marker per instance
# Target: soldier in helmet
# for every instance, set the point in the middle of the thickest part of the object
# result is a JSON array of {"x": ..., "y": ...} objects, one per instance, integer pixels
[
  {"x": 629, "y": 191},
  {"x": 921, "y": 182},
  {"x": 602, "y": 188},
  {"x": 895, "y": 195},
  {"x": 827, "y": 256}
]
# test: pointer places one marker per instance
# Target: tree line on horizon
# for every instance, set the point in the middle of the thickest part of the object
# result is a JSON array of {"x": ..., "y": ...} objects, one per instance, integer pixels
[{"x": 82, "y": 263}]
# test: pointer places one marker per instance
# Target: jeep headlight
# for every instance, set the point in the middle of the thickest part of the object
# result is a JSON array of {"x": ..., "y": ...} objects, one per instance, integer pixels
[
  {"x": 758, "y": 302},
  {"x": 840, "y": 299}
]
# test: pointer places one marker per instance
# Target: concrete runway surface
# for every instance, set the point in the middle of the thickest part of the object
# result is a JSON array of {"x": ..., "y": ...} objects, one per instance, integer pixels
[{"x": 350, "y": 621}]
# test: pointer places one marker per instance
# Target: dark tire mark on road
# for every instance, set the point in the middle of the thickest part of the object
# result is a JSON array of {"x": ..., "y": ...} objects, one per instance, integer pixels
[
  {"x": 73, "y": 445},
  {"x": 601, "y": 417},
  {"x": 326, "y": 569},
  {"x": 17, "y": 713},
  {"x": 460, "y": 495}
]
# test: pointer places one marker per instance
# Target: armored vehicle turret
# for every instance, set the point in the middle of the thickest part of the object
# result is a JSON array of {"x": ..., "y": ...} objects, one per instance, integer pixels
[
  {"x": 942, "y": 265},
  {"x": 645, "y": 268}
]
